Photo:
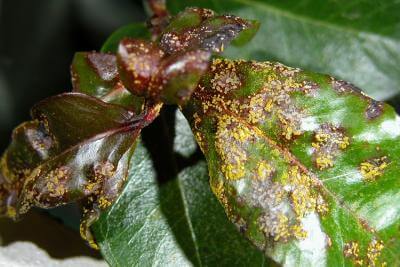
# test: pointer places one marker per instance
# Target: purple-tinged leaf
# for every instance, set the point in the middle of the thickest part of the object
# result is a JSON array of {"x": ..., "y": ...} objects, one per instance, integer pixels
[{"x": 76, "y": 148}]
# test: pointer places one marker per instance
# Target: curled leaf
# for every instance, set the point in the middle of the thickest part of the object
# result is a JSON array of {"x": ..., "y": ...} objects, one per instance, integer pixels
[
  {"x": 198, "y": 28},
  {"x": 305, "y": 165},
  {"x": 170, "y": 69},
  {"x": 147, "y": 72},
  {"x": 75, "y": 148}
]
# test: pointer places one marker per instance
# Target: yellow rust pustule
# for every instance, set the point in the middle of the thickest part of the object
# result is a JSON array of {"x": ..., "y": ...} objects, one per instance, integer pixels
[
  {"x": 351, "y": 250},
  {"x": 272, "y": 103},
  {"x": 55, "y": 181},
  {"x": 328, "y": 141},
  {"x": 232, "y": 140},
  {"x": 374, "y": 168},
  {"x": 370, "y": 257}
]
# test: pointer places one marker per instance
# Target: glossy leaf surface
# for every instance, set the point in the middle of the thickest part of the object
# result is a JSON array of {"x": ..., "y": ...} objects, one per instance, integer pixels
[
  {"x": 75, "y": 148},
  {"x": 169, "y": 69},
  {"x": 96, "y": 74},
  {"x": 196, "y": 28},
  {"x": 355, "y": 41},
  {"x": 178, "y": 223},
  {"x": 305, "y": 165}
]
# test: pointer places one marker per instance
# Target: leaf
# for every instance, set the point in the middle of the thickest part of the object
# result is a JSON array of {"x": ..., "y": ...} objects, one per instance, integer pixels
[
  {"x": 134, "y": 30},
  {"x": 355, "y": 41},
  {"x": 178, "y": 223},
  {"x": 75, "y": 148},
  {"x": 305, "y": 165},
  {"x": 168, "y": 70},
  {"x": 196, "y": 28},
  {"x": 96, "y": 74}
]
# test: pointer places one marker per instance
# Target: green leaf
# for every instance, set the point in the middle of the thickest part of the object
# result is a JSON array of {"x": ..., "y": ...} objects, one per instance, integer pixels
[
  {"x": 355, "y": 41},
  {"x": 184, "y": 142},
  {"x": 306, "y": 165},
  {"x": 134, "y": 30},
  {"x": 75, "y": 148},
  {"x": 177, "y": 223}
]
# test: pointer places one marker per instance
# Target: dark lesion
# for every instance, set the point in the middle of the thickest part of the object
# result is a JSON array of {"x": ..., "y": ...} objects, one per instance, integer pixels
[
  {"x": 344, "y": 87},
  {"x": 374, "y": 109}
]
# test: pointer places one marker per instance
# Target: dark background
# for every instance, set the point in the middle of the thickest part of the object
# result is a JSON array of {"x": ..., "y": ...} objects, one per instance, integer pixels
[{"x": 37, "y": 42}]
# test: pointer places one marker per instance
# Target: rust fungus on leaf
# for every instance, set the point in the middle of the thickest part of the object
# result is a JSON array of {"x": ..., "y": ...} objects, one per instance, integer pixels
[
  {"x": 78, "y": 145},
  {"x": 372, "y": 169},
  {"x": 328, "y": 142}
]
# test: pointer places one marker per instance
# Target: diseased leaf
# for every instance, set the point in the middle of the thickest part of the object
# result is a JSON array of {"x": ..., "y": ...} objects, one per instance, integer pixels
[
  {"x": 75, "y": 148},
  {"x": 305, "y": 165},
  {"x": 170, "y": 69},
  {"x": 78, "y": 146},
  {"x": 146, "y": 72},
  {"x": 179, "y": 223},
  {"x": 197, "y": 28},
  {"x": 355, "y": 41},
  {"x": 96, "y": 74}
]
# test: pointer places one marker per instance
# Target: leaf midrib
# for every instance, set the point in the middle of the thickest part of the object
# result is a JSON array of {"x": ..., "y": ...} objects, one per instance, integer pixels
[
  {"x": 304, "y": 168},
  {"x": 189, "y": 222},
  {"x": 309, "y": 20}
]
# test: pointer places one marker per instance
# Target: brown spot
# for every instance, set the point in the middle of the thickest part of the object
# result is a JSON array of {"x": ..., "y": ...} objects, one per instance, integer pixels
[{"x": 344, "y": 87}]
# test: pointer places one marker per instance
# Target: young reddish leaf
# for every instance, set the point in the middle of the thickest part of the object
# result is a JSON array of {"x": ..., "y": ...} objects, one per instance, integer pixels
[
  {"x": 305, "y": 165},
  {"x": 75, "y": 148},
  {"x": 179, "y": 75},
  {"x": 138, "y": 62},
  {"x": 169, "y": 71},
  {"x": 147, "y": 72}
]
